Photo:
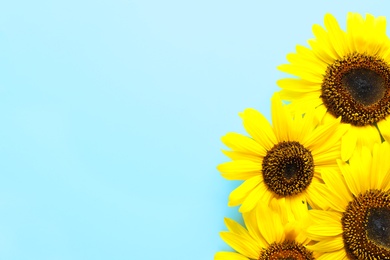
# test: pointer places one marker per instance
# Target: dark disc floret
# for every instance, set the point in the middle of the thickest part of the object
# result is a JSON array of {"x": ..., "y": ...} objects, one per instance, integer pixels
[
  {"x": 288, "y": 168},
  {"x": 357, "y": 88},
  {"x": 366, "y": 226},
  {"x": 287, "y": 250}
]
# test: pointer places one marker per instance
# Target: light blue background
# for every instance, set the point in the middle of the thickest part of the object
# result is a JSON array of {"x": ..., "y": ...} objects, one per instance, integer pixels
[{"x": 111, "y": 116}]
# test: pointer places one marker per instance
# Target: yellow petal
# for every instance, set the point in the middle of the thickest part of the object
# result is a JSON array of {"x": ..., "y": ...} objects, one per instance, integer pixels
[
  {"x": 367, "y": 136},
  {"x": 229, "y": 256},
  {"x": 259, "y": 128},
  {"x": 339, "y": 192},
  {"x": 380, "y": 173},
  {"x": 238, "y": 195},
  {"x": 348, "y": 144},
  {"x": 297, "y": 85},
  {"x": 326, "y": 159},
  {"x": 334, "y": 255},
  {"x": 325, "y": 136},
  {"x": 239, "y": 170},
  {"x": 298, "y": 206},
  {"x": 336, "y": 35},
  {"x": 281, "y": 120},
  {"x": 242, "y": 245},
  {"x": 384, "y": 128},
  {"x": 323, "y": 216},
  {"x": 236, "y": 156},
  {"x": 270, "y": 224},
  {"x": 241, "y": 143},
  {"x": 250, "y": 220},
  {"x": 321, "y": 197},
  {"x": 328, "y": 245},
  {"x": 303, "y": 124},
  {"x": 236, "y": 228},
  {"x": 251, "y": 200},
  {"x": 320, "y": 232},
  {"x": 322, "y": 46},
  {"x": 360, "y": 163},
  {"x": 302, "y": 73},
  {"x": 350, "y": 178}
]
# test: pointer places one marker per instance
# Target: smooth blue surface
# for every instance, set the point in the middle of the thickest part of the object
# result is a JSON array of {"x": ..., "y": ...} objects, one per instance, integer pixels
[{"x": 111, "y": 116}]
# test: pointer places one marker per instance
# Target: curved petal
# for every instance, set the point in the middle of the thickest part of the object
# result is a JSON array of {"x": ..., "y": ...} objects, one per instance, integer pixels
[
  {"x": 252, "y": 199},
  {"x": 236, "y": 228},
  {"x": 259, "y": 128},
  {"x": 328, "y": 245},
  {"x": 242, "y": 245},
  {"x": 238, "y": 195},
  {"x": 239, "y": 170},
  {"x": 241, "y": 143}
]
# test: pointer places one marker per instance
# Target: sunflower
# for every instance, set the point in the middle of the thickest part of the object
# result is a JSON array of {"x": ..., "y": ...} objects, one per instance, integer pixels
[
  {"x": 357, "y": 225},
  {"x": 282, "y": 161},
  {"x": 271, "y": 234},
  {"x": 344, "y": 74}
]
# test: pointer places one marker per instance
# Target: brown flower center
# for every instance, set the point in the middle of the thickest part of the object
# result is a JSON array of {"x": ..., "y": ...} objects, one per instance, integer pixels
[
  {"x": 357, "y": 88},
  {"x": 287, "y": 250},
  {"x": 366, "y": 226},
  {"x": 378, "y": 226},
  {"x": 288, "y": 168}
]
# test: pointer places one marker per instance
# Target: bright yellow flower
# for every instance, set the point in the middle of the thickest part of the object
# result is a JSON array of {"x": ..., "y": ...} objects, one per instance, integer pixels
[
  {"x": 270, "y": 234},
  {"x": 345, "y": 74},
  {"x": 357, "y": 224},
  {"x": 282, "y": 161}
]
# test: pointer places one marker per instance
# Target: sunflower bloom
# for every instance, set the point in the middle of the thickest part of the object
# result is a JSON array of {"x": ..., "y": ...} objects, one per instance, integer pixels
[
  {"x": 344, "y": 74},
  {"x": 270, "y": 234},
  {"x": 282, "y": 161},
  {"x": 357, "y": 225}
]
